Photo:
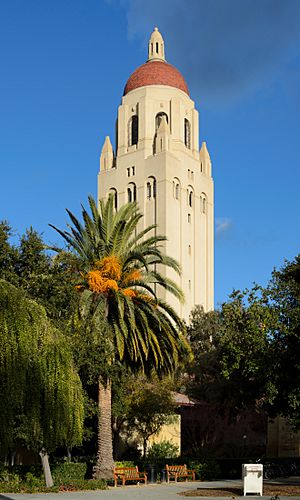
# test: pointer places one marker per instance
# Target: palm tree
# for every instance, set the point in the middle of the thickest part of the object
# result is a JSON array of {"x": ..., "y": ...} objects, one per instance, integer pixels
[{"x": 119, "y": 268}]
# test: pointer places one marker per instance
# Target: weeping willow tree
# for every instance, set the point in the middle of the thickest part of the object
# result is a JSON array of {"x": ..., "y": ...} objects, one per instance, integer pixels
[{"x": 40, "y": 391}]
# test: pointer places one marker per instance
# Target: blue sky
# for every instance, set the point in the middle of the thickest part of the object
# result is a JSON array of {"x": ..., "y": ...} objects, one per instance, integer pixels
[{"x": 63, "y": 67}]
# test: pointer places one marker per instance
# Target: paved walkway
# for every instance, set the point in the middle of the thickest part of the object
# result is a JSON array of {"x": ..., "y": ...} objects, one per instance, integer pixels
[{"x": 150, "y": 492}]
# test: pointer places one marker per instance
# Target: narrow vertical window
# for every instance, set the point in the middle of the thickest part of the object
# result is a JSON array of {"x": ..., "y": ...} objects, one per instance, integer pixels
[
  {"x": 187, "y": 133},
  {"x": 157, "y": 47},
  {"x": 204, "y": 205},
  {"x": 134, "y": 129},
  {"x": 189, "y": 218},
  {"x": 129, "y": 195},
  {"x": 134, "y": 192},
  {"x": 177, "y": 191},
  {"x": 133, "y": 170},
  {"x": 191, "y": 199},
  {"x": 148, "y": 190},
  {"x": 128, "y": 172}
]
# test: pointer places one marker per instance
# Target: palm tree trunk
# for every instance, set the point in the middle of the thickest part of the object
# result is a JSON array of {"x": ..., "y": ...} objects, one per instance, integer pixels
[{"x": 105, "y": 463}]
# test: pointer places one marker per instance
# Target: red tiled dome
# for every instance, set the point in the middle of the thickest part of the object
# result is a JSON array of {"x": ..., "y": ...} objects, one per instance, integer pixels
[{"x": 156, "y": 73}]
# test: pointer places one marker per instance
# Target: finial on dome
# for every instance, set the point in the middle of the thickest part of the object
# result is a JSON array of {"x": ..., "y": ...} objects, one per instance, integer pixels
[{"x": 156, "y": 47}]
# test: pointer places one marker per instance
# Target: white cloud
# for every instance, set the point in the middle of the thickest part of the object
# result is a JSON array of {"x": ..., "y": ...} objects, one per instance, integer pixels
[{"x": 222, "y": 226}]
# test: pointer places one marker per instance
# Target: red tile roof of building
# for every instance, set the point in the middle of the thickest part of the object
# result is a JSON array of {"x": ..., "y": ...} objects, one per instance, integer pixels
[{"x": 156, "y": 73}]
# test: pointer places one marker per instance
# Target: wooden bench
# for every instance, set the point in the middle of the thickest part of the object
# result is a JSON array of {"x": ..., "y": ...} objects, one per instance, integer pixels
[
  {"x": 128, "y": 474},
  {"x": 176, "y": 471}
]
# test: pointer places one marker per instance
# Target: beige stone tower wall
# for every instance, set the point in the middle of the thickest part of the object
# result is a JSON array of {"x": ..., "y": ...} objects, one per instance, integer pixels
[{"x": 171, "y": 181}]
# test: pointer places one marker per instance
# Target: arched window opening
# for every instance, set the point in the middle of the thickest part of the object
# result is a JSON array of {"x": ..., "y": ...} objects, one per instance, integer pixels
[
  {"x": 176, "y": 189},
  {"x": 190, "y": 198},
  {"x": 204, "y": 206},
  {"x": 159, "y": 118},
  {"x": 134, "y": 132},
  {"x": 114, "y": 194},
  {"x": 187, "y": 133},
  {"x": 157, "y": 47},
  {"x": 151, "y": 188},
  {"x": 131, "y": 192}
]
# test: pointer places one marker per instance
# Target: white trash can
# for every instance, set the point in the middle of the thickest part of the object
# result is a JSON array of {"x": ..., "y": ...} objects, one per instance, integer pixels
[{"x": 253, "y": 478}]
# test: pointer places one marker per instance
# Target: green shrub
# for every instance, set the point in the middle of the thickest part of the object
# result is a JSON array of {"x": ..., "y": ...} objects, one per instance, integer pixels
[
  {"x": 164, "y": 449},
  {"x": 68, "y": 471},
  {"x": 67, "y": 476},
  {"x": 7, "y": 477},
  {"x": 125, "y": 463},
  {"x": 207, "y": 470},
  {"x": 31, "y": 480}
]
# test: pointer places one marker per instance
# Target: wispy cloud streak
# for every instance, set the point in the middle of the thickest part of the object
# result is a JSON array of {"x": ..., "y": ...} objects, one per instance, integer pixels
[{"x": 224, "y": 48}]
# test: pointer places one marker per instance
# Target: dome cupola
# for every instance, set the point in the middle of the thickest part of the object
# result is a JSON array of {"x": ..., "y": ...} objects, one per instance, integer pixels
[
  {"x": 156, "y": 71},
  {"x": 156, "y": 47}
]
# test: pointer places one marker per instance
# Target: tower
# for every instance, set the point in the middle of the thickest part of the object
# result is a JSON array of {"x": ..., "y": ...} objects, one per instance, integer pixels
[{"x": 158, "y": 164}]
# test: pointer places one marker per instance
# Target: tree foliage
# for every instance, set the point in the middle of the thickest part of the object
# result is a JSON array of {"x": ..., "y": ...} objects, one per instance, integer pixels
[
  {"x": 284, "y": 297},
  {"x": 141, "y": 407},
  {"x": 151, "y": 405},
  {"x": 40, "y": 391},
  {"x": 8, "y": 254},
  {"x": 249, "y": 351},
  {"x": 45, "y": 278}
]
